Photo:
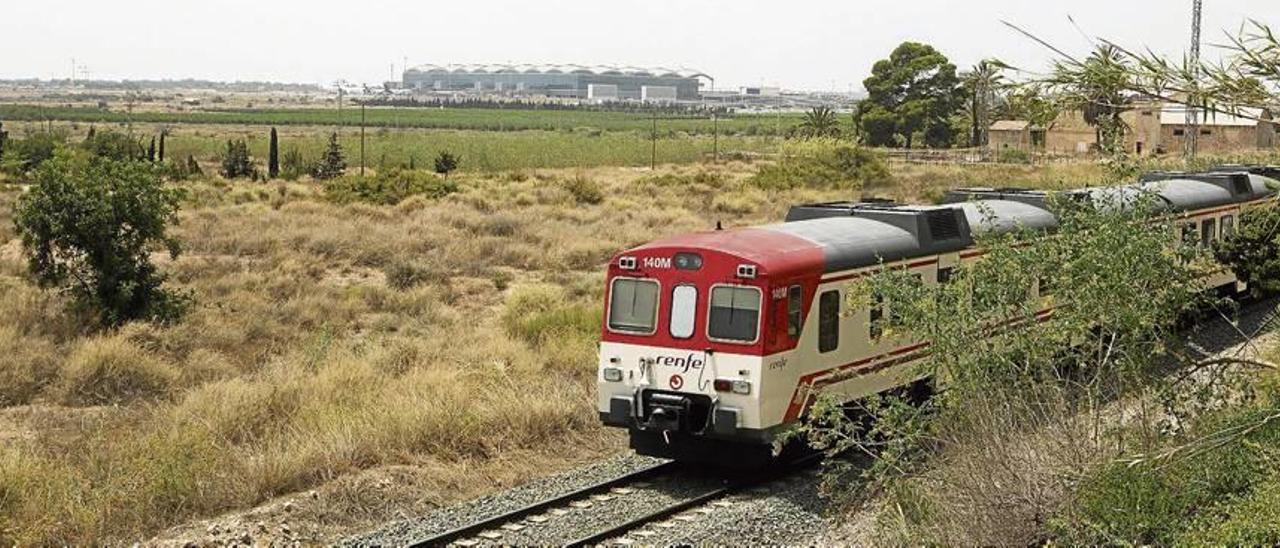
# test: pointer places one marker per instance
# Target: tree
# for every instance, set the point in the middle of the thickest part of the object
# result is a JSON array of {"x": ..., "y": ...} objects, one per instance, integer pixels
[
  {"x": 163, "y": 133},
  {"x": 88, "y": 226},
  {"x": 1099, "y": 87},
  {"x": 151, "y": 151},
  {"x": 332, "y": 165},
  {"x": 4, "y": 136},
  {"x": 913, "y": 92},
  {"x": 236, "y": 162},
  {"x": 982, "y": 84},
  {"x": 819, "y": 122},
  {"x": 273, "y": 156},
  {"x": 1029, "y": 102},
  {"x": 446, "y": 163}
]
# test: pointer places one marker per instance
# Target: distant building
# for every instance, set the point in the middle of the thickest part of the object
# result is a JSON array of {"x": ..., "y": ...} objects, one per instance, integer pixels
[
  {"x": 658, "y": 94},
  {"x": 553, "y": 80},
  {"x": 1158, "y": 128},
  {"x": 1015, "y": 135}
]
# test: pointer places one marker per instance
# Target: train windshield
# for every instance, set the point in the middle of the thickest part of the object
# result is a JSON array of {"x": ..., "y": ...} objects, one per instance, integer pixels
[
  {"x": 633, "y": 306},
  {"x": 735, "y": 314}
]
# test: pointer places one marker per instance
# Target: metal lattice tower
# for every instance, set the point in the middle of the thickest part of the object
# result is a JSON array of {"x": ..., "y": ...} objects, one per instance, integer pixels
[{"x": 1193, "y": 115}]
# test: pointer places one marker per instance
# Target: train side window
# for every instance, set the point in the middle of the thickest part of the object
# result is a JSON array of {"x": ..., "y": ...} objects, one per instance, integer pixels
[
  {"x": 684, "y": 308},
  {"x": 876, "y": 322},
  {"x": 829, "y": 322},
  {"x": 1208, "y": 232},
  {"x": 795, "y": 311},
  {"x": 1228, "y": 226},
  {"x": 1190, "y": 232}
]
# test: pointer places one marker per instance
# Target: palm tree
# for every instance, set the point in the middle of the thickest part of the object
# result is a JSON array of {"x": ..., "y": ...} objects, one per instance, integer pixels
[
  {"x": 819, "y": 122},
  {"x": 1099, "y": 88},
  {"x": 983, "y": 82}
]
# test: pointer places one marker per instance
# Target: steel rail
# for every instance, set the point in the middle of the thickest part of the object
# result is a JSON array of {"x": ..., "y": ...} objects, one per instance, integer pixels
[
  {"x": 733, "y": 487},
  {"x": 494, "y": 522}
]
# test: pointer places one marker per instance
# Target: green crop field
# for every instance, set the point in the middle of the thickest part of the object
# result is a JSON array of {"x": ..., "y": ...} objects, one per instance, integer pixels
[
  {"x": 480, "y": 151},
  {"x": 426, "y": 118}
]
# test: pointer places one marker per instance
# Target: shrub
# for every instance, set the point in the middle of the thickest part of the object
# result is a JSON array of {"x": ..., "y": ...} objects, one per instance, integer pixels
[
  {"x": 25, "y": 155},
  {"x": 535, "y": 314},
  {"x": 584, "y": 190},
  {"x": 88, "y": 227},
  {"x": 293, "y": 166},
  {"x": 332, "y": 165},
  {"x": 112, "y": 370},
  {"x": 1254, "y": 251},
  {"x": 822, "y": 163},
  {"x": 114, "y": 145},
  {"x": 236, "y": 162},
  {"x": 446, "y": 163},
  {"x": 388, "y": 188}
]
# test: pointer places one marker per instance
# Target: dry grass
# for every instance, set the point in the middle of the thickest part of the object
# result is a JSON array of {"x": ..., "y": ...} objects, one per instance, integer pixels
[{"x": 331, "y": 339}]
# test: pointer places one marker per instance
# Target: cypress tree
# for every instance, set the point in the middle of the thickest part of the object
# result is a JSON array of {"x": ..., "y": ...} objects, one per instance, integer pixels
[
  {"x": 151, "y": 151},
  {"x": 161, "y": 152},
  {"x": 273, "y": 156},
  {"x": 4, "y": 136}
]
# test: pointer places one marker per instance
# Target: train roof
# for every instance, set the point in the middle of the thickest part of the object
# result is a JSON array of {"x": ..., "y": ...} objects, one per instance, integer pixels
[{"x": 848, "y": 235}]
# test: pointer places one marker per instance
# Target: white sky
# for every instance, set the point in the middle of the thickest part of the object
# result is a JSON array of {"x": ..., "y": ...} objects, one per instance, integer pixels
[{"x": 799, "y": 44}]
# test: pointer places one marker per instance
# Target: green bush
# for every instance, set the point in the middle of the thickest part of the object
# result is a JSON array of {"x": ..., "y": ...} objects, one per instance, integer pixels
[
  {"x": 1195, "y": 494},
  {"x": 1254, "y": 251},
  {"x": 88, "y": 226},
  {"x": 22, "y": 156},
  {"x": 822, "y": 163},
  {"x": 114, "y": 145},
  {"x": 584, "y": 190},
  {"x": 388, "y": 188}
]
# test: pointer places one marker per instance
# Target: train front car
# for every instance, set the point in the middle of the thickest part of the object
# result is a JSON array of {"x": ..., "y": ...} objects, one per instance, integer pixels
[
  {"x": 715, "y": 343},
  {"x": 689, "y": 322}
]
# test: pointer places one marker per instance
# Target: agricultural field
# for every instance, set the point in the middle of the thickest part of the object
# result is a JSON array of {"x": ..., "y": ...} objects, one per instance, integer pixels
[
  {"x": 480, "y": 150},
  {"x": 421, "y": 118},
  {"x": 376, "y": 360}
]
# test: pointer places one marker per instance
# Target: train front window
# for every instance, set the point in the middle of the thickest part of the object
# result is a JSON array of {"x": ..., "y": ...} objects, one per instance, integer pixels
[
  {"x": 735, "y": 314},
  {"x": 684, "y": 306},
  {"x": 633, "y": 306}
]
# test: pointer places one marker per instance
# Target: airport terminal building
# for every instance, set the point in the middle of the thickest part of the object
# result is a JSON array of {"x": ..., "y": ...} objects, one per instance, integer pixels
[{"x": 586, "y": 82}]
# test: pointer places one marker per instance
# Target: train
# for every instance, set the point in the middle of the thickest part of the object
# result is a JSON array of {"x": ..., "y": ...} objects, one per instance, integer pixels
[{"x": 715, "y": 344}]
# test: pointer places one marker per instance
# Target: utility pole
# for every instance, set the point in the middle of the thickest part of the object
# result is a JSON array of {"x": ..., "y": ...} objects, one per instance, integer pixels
[
  {"x": 715, "y": 123},
  {"x": 653, "y": 159},
  {"x": 362, "y": 139},
  {"x": 1194, "y": 100}
]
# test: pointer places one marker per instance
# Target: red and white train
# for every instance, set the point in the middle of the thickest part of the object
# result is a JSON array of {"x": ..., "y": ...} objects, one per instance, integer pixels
[{"x": 716, "y": 343}]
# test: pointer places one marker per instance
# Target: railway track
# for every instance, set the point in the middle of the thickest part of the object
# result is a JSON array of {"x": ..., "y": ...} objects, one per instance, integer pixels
[
  {"x": 491, "y": 530},
  {"x": 473, "y": 531}
]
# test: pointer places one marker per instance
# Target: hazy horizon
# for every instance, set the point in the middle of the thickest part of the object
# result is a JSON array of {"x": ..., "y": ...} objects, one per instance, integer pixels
[{"x": 812, "y": 45}]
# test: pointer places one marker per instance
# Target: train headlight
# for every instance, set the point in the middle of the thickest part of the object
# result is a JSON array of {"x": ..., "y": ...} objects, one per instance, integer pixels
[
  {"x": 612, "y": 374},
  {"x": 730, "y": 385}
]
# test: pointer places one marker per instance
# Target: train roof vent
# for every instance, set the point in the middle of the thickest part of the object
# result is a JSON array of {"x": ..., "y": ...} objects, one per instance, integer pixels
[{"x": 943, "y": 224}]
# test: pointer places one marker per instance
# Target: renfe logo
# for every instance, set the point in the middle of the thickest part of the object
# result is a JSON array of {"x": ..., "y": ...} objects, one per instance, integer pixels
[
  {"x": 684, "y": 364},
  {"x": 657, "y": 262}
]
